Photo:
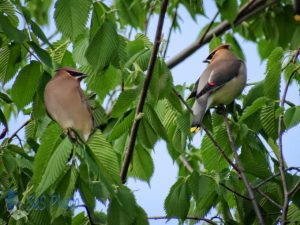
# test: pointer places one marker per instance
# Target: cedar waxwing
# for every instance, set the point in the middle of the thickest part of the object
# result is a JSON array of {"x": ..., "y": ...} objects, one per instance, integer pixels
[
  {"x": 220, "y": 83},
  {"x": 66, "y": 103}
]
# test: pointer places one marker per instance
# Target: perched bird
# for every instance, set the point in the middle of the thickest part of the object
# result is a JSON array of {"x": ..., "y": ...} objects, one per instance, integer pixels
[
  {"x": 220, "y": 83},
  {"x": 66, "y": 103}
]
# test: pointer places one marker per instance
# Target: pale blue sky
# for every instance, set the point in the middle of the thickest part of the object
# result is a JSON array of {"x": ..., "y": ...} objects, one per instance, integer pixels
[{"x": 152, "y": 197}]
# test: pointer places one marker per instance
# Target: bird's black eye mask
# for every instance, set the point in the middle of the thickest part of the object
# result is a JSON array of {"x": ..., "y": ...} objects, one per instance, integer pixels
[{"x": 76, "y": 74}]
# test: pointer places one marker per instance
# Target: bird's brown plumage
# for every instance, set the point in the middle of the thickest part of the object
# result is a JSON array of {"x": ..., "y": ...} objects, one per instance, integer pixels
[
  {"x": 66, "y": 103},
  {"x": 220, "y": 83}
]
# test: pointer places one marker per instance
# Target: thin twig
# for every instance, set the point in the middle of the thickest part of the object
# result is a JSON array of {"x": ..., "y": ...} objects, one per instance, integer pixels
[
  {"x": 183, "y": 101},
  {"x": 234, "y": 192},
  {"x": 218, "y": 30},
  {"x": 186, "y": 163},
  {"x": 187, "y": 218},
  {"x": 140, "y": 106},
  {"x": 170, "y": 32},
  {"x": 295, "y": 188},
  {"x": 16, "y": 132},
  {"x": 281, "y": 160},
  {"x": 273, "y": 176},
  {"x": 242, "y": 174},
  {"x": 268, "y": 198}
]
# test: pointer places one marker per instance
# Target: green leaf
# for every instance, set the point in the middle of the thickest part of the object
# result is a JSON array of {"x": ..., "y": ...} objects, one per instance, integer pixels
[
  {"x": 122, "y": 208},
  {"x": 105, "y": 154},
  {"x": 124, "y": 101},
  {"x": 292, "y": 117},
  {"x": 146, "y": 135},
  {"x": 228, "y": 9},
  {"x": 105, "y": 81},
  {"x": 269, "y": 120},
  {"x": 71, "y": 16},
  {"x": 131, "y": 12},
  {"x": 8, "y": 8},
  {"x": 272, "y": 81},
  {"x": 214, "y": 42},
  {"x": 55, "y": 165},
  {"x": 43, "y": 55},
  {"x": 235, "y": 46},
  {"x": 58, "y": 50},
  {"x": 26, "y": 84},
  {"x": 255, "y": 162},
  {"x": 64, "y": 192},
  {"x": 212, "y": 158},
  {"x": 204, "y": 189},
  {"x": 98, "y": 17},
  {"x": 9, "y": 59},
  {"x": 80, "y": 219},
  {"x": 142, "y": 166},
  {"x": 141, "y": 217},
  {"x": 254, "y": 93},
  {"x": 122, "y": 127},
  {"x": 39, "y": 32},
  {"x": 80, "y": 46},
  {"x": 265, "y": 47},
  {"x": 3, "y": 119},
  {"x": 253, "y": 108},
  {"x": 10, "y": 30},
  {"x": 177, "y": 203},
  {"x": 5, "y": 98},
  {"x": 86, "y": 193},
  {"x": 154, "y": 121},
  {"x": 100, "y": 117},
  {"x": 103, "y": 47}
]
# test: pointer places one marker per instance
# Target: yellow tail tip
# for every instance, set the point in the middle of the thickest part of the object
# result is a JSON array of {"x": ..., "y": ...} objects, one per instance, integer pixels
[
  {"x": 297, "y": 18},
  {"x": 195, "y": 129}
]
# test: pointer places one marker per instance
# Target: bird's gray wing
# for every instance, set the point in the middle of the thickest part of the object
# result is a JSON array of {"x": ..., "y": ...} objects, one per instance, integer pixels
[{"x": 221, "y": 72}]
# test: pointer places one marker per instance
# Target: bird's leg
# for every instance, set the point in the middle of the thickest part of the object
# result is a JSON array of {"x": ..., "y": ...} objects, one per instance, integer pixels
[{"x": 221, "y": 109}]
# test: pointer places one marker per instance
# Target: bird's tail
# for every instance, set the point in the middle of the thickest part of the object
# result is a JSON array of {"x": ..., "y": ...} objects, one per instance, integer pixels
[{"x": 199, "y": 109}]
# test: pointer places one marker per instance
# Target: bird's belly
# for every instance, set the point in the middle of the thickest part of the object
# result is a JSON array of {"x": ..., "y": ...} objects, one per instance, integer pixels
[{"x": 226, "y": 94}]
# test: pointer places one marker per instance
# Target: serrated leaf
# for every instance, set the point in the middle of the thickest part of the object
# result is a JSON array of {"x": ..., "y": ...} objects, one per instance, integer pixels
[
  {"x": 142, "y": 166},
  {"x": 141, "y": 217},
  {"x": 43, "y": 55},
  {"x": 26, "y": 84},
  {"x": 292, "y": 117},
  {"x": 154, "y": 121},
  {"x": 122, "y": 208},
  {"x": 269, "y": 121},
  {"x": 204, "y": 190},
  {"x": 255, "y": 162},
  {"x": 212, "y": 158},
  {"x": 253, "y": 108},
  {"x": 105, "y": 81},
  {"x": 10, "y": 30},
  {"x": 103, "y": 47},
  {"x": 3, "y": 119},
  {"x": 125, "y": 100},
  {"x": 58, "y": 50},
  {"x": 122, "y": 127},
  {"x": 39, "y": 32},
  {"x": 177, "y": 203},
  {"x": 55, "y": 165},
  {"x": 9, "y": 9},
  {"x": 71, "y": 16},
  {"x": 80, "y": 46},
  {"x": 272, "y": 80},
  {"x": 254, "y": 93},
  {"x": 105, "y": 154},
  {"x": 9, "y": 58},
  {"x": 146, "y": 135},
  {"x": 228, "y": 10},
  {"x": 49, "y": 141},
  {"x": 131, "y": 12}
]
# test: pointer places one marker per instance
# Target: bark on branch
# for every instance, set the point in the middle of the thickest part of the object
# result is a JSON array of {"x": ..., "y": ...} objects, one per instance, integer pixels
[{"x": 140, "y": 106}]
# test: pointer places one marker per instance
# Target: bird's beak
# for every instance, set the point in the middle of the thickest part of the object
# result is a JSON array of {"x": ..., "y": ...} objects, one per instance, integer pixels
[
  {"x": 207, "y": 61},
  {"x": 81, "y": 76}
]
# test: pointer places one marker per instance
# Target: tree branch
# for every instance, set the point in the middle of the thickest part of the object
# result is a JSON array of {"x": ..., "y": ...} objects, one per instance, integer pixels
[
  {"x": 16, "y": 132},
  {"x": 186, "y": 163},
  {"x": 88, "y": 214},
  {"x": 281, "y": 160},
  {"x": 245, "y": 12},
  {"x": 268, "y": 198},
  {"x": 140, "y": 106},
  {"x": 187, "y": 218},
  {"x": 242, "y": 174},
  {"x": 234, "y": 192}
]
